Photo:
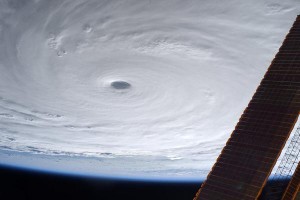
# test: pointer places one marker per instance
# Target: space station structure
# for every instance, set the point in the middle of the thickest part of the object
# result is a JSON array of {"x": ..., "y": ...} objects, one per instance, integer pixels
[{"x": 245, "y": 164}]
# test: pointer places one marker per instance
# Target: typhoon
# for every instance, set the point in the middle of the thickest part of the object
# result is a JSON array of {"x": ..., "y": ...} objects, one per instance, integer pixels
[{"x": 135, "y": 88}]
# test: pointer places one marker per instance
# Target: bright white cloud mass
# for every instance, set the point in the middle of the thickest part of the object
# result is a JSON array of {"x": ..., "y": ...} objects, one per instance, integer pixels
[{"x": 138, "y": 88}]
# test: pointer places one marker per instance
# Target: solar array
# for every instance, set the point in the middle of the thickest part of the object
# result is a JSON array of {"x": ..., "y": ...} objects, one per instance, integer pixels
[{"x": 246, "y": 161}]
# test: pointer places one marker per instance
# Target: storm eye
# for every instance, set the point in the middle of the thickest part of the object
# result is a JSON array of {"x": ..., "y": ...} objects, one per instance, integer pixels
[{"x": 120, "y": 85}]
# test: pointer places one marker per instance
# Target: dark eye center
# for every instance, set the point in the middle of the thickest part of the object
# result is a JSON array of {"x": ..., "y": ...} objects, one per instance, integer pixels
[{"x": 120, "y": 85}]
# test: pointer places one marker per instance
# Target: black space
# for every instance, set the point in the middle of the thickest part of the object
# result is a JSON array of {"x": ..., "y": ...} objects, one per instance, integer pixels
[
  {"x": 23, "y": 184},
  {"x": 31, "y": 185}
]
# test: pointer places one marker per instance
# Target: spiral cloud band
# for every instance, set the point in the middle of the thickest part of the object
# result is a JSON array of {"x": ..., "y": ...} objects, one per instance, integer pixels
[{"x": 138, "y": 88}]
